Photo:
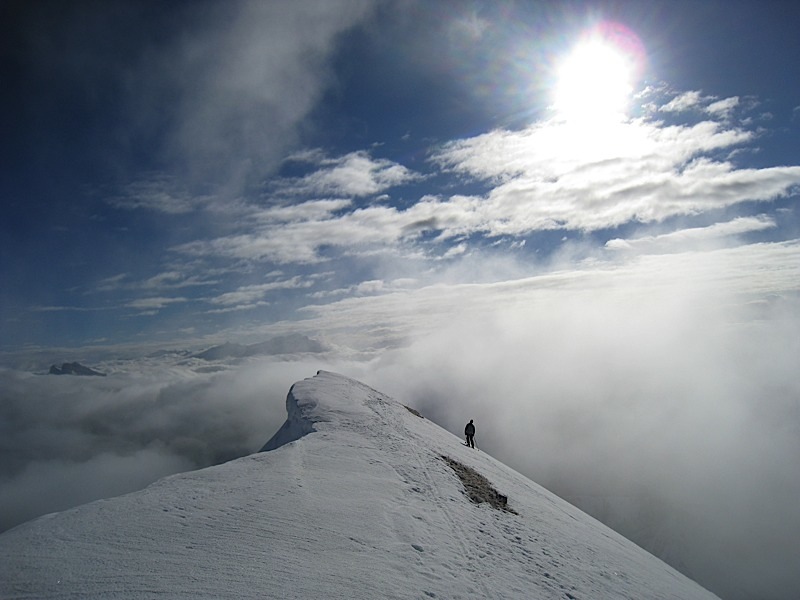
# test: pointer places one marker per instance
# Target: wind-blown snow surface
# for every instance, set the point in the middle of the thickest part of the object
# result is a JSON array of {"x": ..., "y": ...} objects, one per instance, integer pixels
[{"x": 353, "y": 501}]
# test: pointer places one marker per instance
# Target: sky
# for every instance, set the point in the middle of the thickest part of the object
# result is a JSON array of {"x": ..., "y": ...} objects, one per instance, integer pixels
[
  {"x": 207, "y": 169},
  {"x": 574, "y": 222}
]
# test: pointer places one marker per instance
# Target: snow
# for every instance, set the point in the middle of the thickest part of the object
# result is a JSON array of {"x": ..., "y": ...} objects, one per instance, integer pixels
[{"x": 354, "y": 500}]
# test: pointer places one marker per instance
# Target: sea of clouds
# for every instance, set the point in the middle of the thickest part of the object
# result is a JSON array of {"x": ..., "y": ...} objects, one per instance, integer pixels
[{"x": 663, "y": 402}]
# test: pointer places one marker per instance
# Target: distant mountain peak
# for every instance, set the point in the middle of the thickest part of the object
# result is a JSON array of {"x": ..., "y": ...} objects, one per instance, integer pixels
[{"x": 74, "y": 368}]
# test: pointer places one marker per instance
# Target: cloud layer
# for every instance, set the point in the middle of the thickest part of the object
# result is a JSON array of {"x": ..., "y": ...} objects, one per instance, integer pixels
[
  {"x": 658, "y": 398},
  {"x": 68, "y": 440},
  {"x": 658, "y": 392},
  {"x": 547, "y": 177}
]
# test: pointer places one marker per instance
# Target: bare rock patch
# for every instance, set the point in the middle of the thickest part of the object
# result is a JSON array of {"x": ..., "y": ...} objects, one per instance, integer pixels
[{"x": 477, "y": 487}]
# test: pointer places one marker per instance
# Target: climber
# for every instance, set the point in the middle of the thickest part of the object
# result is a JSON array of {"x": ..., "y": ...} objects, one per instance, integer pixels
[{"x": 469, "y": 431}]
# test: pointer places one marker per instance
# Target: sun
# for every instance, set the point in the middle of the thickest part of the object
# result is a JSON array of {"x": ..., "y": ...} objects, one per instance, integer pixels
[{"x": 595, "y": 81}]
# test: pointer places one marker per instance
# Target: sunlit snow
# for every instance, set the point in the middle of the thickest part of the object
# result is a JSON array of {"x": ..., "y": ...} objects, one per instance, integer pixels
[{"x": 355, "y": 498}]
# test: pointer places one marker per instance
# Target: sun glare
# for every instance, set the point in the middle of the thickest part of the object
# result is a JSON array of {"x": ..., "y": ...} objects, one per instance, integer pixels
[{"x": 594, "y": 83}]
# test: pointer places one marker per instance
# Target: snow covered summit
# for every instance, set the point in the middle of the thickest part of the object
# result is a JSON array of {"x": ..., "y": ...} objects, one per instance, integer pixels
[{"x": 356, "y": 497}]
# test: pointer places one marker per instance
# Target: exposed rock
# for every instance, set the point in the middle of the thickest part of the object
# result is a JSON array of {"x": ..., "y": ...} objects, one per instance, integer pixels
[
  {"x": 477, "y": 487},
  {"x": 74, "y": 368}
]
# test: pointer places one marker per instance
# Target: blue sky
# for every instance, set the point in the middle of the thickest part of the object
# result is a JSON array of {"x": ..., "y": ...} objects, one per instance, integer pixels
[{"x": 227, "y": 170}]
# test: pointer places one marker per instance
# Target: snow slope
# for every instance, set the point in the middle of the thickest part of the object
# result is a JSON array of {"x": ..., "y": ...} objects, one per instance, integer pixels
[{"x": 353, "y": 500}]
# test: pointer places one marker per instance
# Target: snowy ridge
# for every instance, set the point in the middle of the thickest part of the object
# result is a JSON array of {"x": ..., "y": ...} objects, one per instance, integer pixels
[
  {"x": 305, "y": 410},
  {"x": 299, "y": 422},
  {"x": 354, "y": 500}
]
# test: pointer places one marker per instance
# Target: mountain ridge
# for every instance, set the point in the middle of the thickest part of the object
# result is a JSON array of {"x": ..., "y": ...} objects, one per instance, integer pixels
[{"x": 353, "y": 500}]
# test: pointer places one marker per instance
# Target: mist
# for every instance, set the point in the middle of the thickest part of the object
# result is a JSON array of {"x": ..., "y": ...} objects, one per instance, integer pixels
[
  {"x": 69, "y": 440},
  {"x": 674, "y": 418},
  {"x": 658, "y": 395}
]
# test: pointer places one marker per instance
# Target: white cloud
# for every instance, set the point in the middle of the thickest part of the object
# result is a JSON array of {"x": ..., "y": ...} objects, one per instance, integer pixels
[
  {"x": 174, "y": 278},
  {"x": 544, "y": 180},
  {"x": 112, "y": 283},
  {"x": 68, "y": 308},
  {"x": 159, "y": 194},
  {"x": 549, "y": 177},
  {"x": 154, "y": 303},
  {"x": 723, "y": 108},
  {"x": 304, "y": 211},
  {"x": 739, "y": 274},
  {"x": 69, "y": 440},
  {"x": 683, "y": 102},
  {"x": 353, "y": 175},
  {"x": 298, "y": 241},
  {"x": 455, "y": 250},
  {"x": 694, "y": 238},
  {"x": 695, "y": 100},
  {"x": 247, "y": 295},
  {"x": 371, "y": 287}
]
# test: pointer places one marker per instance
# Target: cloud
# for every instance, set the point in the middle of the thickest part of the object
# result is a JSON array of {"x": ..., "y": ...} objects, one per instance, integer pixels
[
  {"x": 694, "y": 238},
  {"x": 469, "y": 28},
  {"x": 503, "y": 186},
  {"x": 201, "y": 97},
  {"x": 239, "y": 78},
  {"x": 353, "y": 175},
  {"x": 743, "y": 272},
  {"x": 723, "y": 108},
  {"x": 67, "y": 308},
  {"x": 370, "y": 287},
  {"x": 305, "y": 211},
  {"x": 658, "y": 389},
  {"x": 710, "y": 105},
  {"x": 247, "y": 295},
  {"x": 545, "y": 177},
  {"x": 285, "y": 236},
  {"x": 542, "y": 178},
  {"x": 683, "y": 102},
  {"x": 455, "y": 250},
  {"x": 550, "y": 176},
  {"x": 160, "y": 194},
  {"x": 653, "y": 393},
  {"x": 174, "y": 278},
  {"x": 57, "y": 484},
  {"x": 154, "y": 303},
  {"x": 68, "y": 440}
]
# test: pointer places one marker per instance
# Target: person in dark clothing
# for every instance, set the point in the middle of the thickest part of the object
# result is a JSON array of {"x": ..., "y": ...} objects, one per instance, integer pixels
[{"x": 469, "y": 431}]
